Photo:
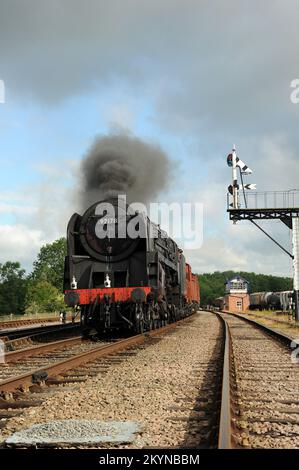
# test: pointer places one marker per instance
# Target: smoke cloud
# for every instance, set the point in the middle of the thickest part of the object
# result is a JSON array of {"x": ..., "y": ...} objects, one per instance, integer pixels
[{"x": 121, "y": 164}]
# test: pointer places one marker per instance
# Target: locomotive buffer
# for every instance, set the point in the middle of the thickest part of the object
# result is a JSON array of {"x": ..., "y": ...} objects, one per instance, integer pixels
[{"x": 271, "y": 205}]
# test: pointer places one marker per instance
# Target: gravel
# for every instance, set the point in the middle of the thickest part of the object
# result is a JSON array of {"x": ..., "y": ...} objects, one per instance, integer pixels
[
  {"x": 160, "y": 387},
  {"x": 75, "y": 432},
  {"x": 267, "y": 388},
  {"x": 38, "y": 361}
]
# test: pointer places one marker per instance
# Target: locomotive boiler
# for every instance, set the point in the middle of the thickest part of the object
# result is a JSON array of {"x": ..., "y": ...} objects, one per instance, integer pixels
[{"x": 123, "y": 271}]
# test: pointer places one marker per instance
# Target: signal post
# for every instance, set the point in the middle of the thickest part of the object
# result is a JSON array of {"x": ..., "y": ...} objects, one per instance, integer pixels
[{"x": 282, "y": 205}]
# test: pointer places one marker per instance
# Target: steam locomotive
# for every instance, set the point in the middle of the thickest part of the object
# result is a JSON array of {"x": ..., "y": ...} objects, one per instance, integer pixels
[{"x": 123, "y": 271}]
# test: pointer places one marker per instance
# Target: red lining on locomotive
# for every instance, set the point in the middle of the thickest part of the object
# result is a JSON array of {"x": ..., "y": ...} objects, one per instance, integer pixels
[{"x": 116, "y": 294}]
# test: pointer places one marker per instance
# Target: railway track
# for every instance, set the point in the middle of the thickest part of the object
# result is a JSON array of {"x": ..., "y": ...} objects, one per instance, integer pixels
[
  {"x": 240, "y": 390},
  {"x": 288, "y": 324},
  {"x": 27, "y": 371},
  {"x": 189, "y": 406},
  {"x": 15, "y": 339},
  {"x": 35, "y": 365},
  {"x": 23, "y": 322},
  {"x": 260, "y": 389},
  {"x": 39, "y": 364}
]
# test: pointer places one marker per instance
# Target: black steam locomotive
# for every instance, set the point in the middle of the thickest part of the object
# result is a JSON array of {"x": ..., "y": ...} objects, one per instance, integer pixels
[{"x": 124, "y": 272}]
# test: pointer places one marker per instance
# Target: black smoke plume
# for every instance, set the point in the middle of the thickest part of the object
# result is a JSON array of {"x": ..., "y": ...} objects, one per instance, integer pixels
[{"x": 121, "y": 164}]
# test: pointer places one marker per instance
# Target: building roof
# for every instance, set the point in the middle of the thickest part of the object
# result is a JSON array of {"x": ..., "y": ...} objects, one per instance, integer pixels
[{"x": 237, "y": 278}]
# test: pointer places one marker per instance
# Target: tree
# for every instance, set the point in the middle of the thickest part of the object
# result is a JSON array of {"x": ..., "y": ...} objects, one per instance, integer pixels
[
  {"x": 212, "y": 285},
  {"x": 49, "y": 265},
  {"x": 13, "y": 288},
  {"x": 43, "y": 297}
]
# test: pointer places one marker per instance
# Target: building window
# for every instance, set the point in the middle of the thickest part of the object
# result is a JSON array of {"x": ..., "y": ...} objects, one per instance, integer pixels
[
  {"x": 238, "y": 285},
  {"x": 239, "y": 304}
]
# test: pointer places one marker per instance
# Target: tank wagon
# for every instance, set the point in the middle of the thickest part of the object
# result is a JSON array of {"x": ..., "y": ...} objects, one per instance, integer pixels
[{"x": 271, "y": 300}]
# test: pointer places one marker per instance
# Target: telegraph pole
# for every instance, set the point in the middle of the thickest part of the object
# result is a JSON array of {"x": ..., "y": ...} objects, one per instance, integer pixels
[{"x": 295, "y": 237}]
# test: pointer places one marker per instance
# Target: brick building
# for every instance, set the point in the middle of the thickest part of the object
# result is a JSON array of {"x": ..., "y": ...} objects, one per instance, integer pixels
[{"x": 236, "y": 297}]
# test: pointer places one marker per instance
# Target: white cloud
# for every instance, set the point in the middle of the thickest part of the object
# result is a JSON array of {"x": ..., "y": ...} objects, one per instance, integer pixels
[
  {"x": 242, "y": 247},
  {"x": 7, "y": 208},
  {"x": 40, "y": 214},
  {"x": 19, "y": 243},
  {"x": 203, "y": 79},
  {"x": 121, "y": 115}
]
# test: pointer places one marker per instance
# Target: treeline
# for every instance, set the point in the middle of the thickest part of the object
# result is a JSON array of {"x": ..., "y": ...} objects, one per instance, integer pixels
[
  {"x": 39, "y": 291},
  {"x": 212, "y": 285}
]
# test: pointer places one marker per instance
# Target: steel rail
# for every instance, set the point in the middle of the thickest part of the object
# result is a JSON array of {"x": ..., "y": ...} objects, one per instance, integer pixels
[
  {"x": 225, "y": 423},
  {"x": 278, "y": 335},
  {"x": 225, "y": 433},
  {"x": 36, "y": 330},
  {"x": 34, "y": 376},
  {"x": 10, "y": 344},
  {"x": 13, "y": 356},
  {"x": 17, "y": 323}
]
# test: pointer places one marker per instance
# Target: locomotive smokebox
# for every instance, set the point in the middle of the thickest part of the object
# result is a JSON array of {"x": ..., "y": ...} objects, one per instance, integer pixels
[{"x": 109, "y": 230}]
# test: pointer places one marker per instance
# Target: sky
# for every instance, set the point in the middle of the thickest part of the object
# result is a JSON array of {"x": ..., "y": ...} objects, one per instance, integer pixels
[{"x": 191, "y": 76}]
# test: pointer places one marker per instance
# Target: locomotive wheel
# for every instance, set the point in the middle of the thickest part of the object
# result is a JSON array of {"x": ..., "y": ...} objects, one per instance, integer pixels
[
  {"x": 139, "y": 319},
  {"x": 139, "y": 327},
  {"x": 86, "y": 333}
]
